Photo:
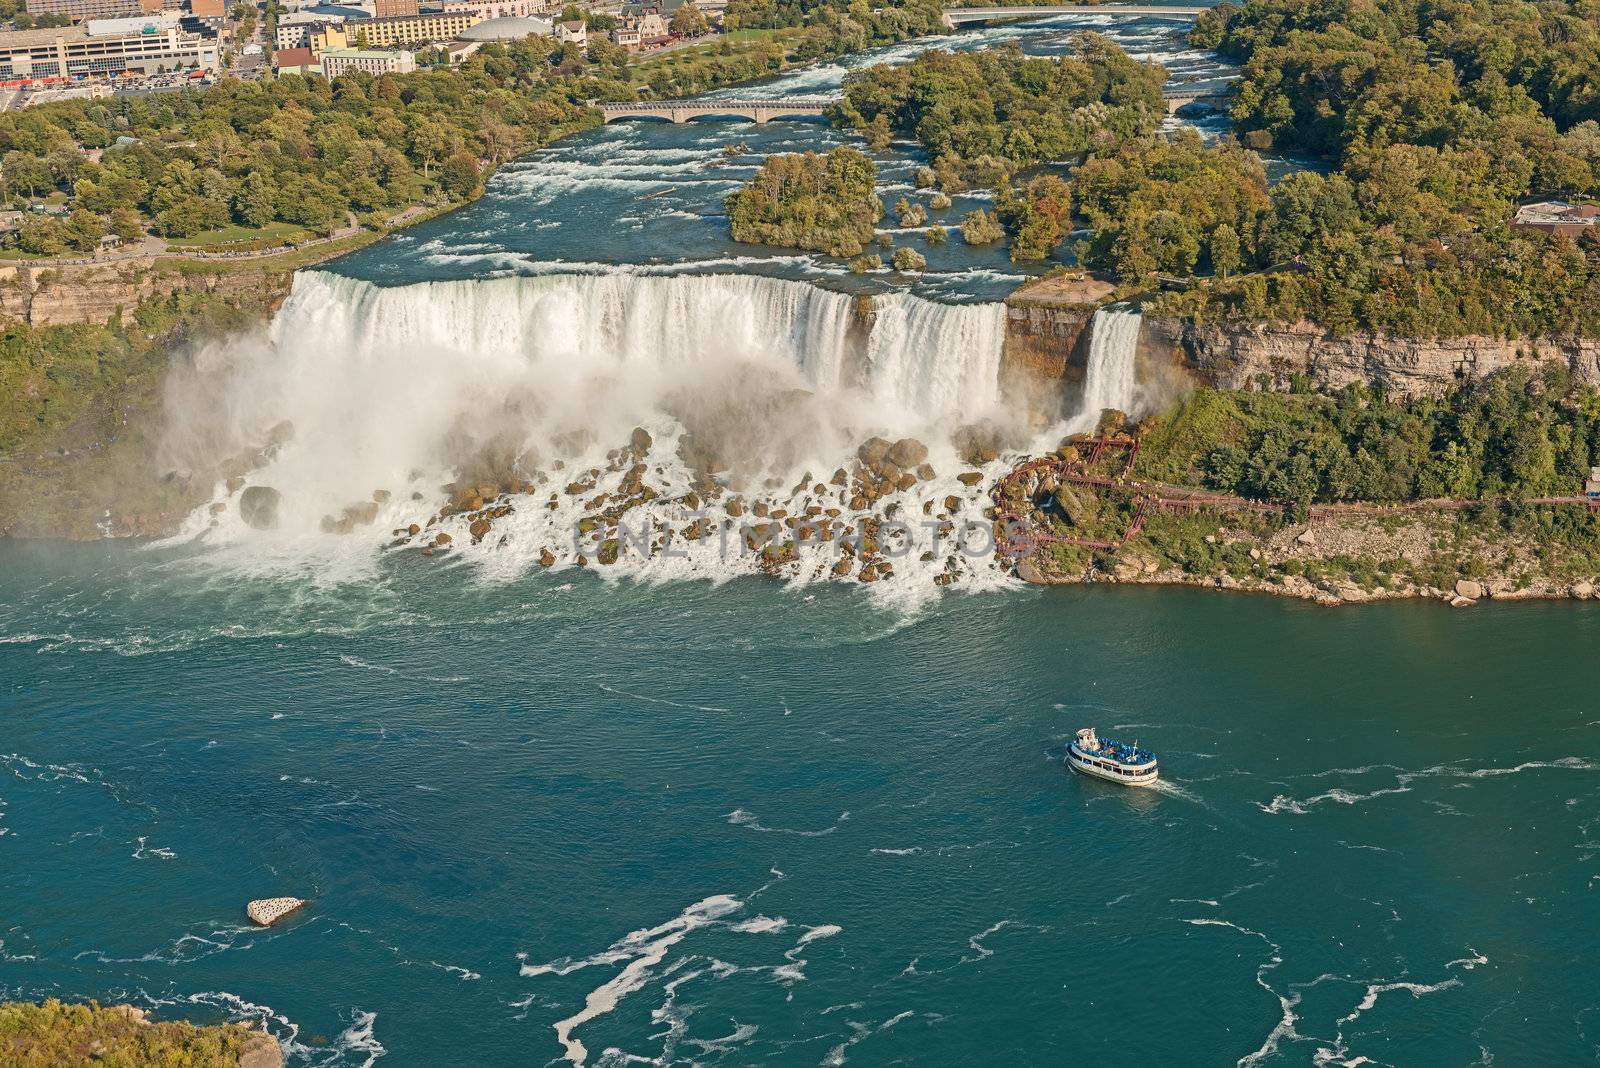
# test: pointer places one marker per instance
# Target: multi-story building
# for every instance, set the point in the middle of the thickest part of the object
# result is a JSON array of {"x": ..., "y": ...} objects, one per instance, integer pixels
[
  {"x": 78, "y": 10},
  {"x": 388, "y": 9},
  {"x": 344, "y": 60},
  {"x": 209, "y": 9},
  {"x": 499, "y": 9},
  {"x": 408, "y": 30},
  {"x": 294, "y": 31},
  {"x": 104, "y": 47},
  {"x": 644, "y": 30}
]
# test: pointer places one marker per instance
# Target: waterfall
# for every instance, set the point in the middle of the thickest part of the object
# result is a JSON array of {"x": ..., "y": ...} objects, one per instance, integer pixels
[
  {"x": 399, "y": 387},
  {"x": 1110, "y": 381},
  {"x": 923, "y": 359}
]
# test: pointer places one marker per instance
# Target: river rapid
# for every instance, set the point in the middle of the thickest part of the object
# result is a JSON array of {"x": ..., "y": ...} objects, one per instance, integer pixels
[{"x": 675, "y": 811}]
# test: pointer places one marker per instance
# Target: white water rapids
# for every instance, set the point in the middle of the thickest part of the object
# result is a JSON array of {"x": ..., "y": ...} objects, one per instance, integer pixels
[{"x": 393, "y": 392}]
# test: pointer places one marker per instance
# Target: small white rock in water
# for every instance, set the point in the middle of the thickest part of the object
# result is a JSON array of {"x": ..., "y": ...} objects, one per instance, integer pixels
[{"x": 269, "y": 910}]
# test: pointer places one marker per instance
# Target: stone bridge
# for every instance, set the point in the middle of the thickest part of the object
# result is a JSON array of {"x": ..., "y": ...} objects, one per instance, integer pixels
[
  {"x": 1177, "y": 100},
  {"x": 955, "y": 16},
  {"x": 685, "y": 110}
]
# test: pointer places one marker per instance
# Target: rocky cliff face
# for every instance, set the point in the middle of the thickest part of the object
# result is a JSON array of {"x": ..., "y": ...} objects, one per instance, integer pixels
[
  {"x": 1047, "y": 347},
  {"x": 1235, "y": 355},
  {"x": 1046, "y": 354},
  {"x": 99, "y": 292}
]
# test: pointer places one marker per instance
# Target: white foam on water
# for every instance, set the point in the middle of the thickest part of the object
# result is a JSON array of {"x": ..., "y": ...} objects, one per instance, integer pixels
[
  {"x": 740, "y": 818},
  {"x": 836, "y": 1056},
  {"x": 1405, "y": 780},
  {"x": 1284, "y": 1029},
  {"x": 641, "y": 950}
]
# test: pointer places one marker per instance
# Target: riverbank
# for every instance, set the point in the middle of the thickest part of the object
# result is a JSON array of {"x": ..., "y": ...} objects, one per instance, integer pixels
[
  {"x": 59, "y": 1033},
  {"x": 1345, "y": 559}
]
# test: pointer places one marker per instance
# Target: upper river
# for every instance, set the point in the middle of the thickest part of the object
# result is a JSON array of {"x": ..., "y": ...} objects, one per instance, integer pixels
[{"x": 685, "y": 815}]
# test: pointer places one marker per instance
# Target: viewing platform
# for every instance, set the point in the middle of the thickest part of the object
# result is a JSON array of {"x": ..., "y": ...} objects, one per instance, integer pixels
[{"x": 685, "y": 110}]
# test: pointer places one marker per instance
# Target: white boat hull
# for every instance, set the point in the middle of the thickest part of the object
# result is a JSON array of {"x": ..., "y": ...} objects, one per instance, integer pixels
[{"x": 1088, "y": 765}]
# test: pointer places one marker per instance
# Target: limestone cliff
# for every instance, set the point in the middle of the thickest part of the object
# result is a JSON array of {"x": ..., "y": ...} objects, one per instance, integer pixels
[
  {"x": 99, "y": 292},
  {"x": 1234, "y": 355}
]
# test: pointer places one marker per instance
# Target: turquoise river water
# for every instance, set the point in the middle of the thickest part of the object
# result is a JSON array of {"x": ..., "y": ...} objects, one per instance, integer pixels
[
  {"x": 739, "y": 825},
  {"x": 687, "y": 815}
]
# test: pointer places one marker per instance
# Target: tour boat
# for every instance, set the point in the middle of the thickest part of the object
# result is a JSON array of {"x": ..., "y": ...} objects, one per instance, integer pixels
[{"x": 1116, "y": 761}]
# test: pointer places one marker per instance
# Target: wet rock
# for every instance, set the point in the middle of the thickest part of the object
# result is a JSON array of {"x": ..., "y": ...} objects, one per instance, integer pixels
[
  {"x": 640, "y": 441},
  {"x": 258, "y": 507},
  {"x": 361, "y": 514},
  {"x": 380, "y": 496},
  {"x": 735, "y": 507},
  {"x": 235, "y": 484},
  {"x": 1462, "y": 602},
  {"x": 873, "y": 451},
  {"x": 478, "y": 528},
  {"x": 977, "y": 444},
  {"x": 925, "y": 472},
  {"x": 441, "y": 538},
  {"x": 952, "y": 503},
  {"x": 840, "y": 477},
  {"x": 970, "y": 478},
  {"x": 547, "y": 558},
  {"x": 907, "y": 453},
  {"x": 413, "y": 530}
]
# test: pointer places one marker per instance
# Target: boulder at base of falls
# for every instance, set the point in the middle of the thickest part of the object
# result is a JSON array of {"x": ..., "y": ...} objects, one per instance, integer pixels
[
  {"x": 267, "y": 911},
  {"x": 258, "y": 507},
  {"x": 873, "y": 451},
  {"x": 908, "y": 453},
  {"x": 640, "y": 441},
  {"x": 977, "y": 443}
]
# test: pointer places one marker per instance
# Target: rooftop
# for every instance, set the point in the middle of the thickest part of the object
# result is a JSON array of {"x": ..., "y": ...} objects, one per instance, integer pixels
[
  {"x": 1551, "y": 212},
  {"x": 508, "y": 29}
]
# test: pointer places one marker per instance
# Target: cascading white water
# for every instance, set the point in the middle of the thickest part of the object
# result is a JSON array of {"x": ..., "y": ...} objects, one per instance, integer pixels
[
  {"x": 392, "y": 392},
  {"x": 1110, "y": 380}
]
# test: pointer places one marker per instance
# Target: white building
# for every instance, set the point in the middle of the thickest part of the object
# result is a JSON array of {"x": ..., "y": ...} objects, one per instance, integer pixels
[
  {"x": 344, "y": 60},
  {"x": 64, "y": 51},
  {"x": 499, "y": 9}
]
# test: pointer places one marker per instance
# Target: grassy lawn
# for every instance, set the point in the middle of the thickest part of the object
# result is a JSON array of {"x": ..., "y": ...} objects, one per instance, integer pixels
[{"x": 271, "y": 234}]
